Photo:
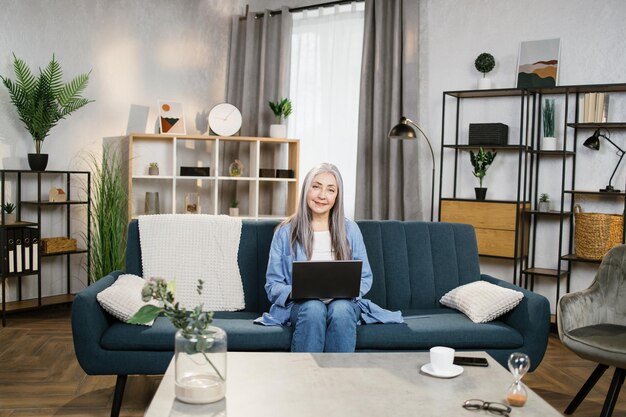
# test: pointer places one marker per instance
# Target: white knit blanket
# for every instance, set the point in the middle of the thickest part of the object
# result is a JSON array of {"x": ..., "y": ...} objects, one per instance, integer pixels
[{"x": 188, "y": 247}]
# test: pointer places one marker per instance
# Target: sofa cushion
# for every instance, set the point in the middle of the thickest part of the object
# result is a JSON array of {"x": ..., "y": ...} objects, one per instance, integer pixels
[
  {"x": 434, "y": 327},
  {"x": 482, "y": 301},
  {"x": 242, "y": 334},
  {"x": 123, "y": 299}
]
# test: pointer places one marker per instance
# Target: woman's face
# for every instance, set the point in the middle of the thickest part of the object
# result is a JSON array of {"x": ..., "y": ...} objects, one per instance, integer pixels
[{"x": 322, "y": 194}]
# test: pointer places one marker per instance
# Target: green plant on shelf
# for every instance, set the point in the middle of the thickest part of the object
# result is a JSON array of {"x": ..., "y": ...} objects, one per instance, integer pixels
[
  {"x": 484, "y": 63},
  {"x": 153, "y": 165},
  {"x": 281, "y": 109},
  {"x": 544, "y": 198},
  {"x": 234, "y": 204},
  {"x": 548, "y": 118},
  {"x": 481, "y": 162},
  {"x": 8, "y": 208}
]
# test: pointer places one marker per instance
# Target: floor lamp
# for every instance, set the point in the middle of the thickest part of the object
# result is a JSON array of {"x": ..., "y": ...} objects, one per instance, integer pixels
[
  {"x": 594, "y": 143},
  {"x": 405, "y": 132}
]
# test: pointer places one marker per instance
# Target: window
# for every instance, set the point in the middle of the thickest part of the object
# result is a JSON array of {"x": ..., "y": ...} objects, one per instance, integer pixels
[{"x": 326, "y": 49}]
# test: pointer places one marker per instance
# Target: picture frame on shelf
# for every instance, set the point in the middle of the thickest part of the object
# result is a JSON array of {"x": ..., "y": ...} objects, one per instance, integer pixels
[
  {"x": 538, "y": 63},
  {"x": 171, "y": 117}
]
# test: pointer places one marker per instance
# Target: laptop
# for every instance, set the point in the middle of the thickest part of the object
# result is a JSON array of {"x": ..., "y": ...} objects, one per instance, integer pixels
[{"x": 326, "y": 279}]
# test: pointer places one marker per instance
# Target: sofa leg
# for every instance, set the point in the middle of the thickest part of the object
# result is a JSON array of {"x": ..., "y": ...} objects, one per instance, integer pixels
[
  {"x": 591, "y": 381},
  {"x": 613, "y": 394},
  {"x": 120, "y": 384}
]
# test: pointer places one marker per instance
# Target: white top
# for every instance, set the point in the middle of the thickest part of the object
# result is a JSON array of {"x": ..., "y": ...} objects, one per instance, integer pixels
[
  {"x": 322, "y": 247},
  {"x": 323, "y": 251}
]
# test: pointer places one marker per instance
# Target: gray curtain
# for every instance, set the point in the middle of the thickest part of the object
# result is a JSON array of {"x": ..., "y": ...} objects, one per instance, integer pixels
[
  {"x": 258, "y": 72},
  {"x": 387, "y": 171}
]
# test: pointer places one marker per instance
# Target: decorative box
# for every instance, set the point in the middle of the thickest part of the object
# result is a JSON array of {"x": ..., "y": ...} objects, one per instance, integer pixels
[
  {"x": 267, "y": 173},
  {"x": 57, "y": 244},
  {"x": 285, "y": 173},
  {"x": 488, "y": 134},
  {"x": 195, "y": 171},
  {"x": 56, "y": 195}
]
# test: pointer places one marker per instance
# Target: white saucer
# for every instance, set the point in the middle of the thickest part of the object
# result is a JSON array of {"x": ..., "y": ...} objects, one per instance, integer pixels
[{"x": 456, "y": 370}]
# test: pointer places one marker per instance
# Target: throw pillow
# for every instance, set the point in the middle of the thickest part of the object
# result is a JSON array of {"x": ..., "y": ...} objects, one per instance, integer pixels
[
  {"x": 482, "y": 301},
  {"x": 123, "y": 299}
]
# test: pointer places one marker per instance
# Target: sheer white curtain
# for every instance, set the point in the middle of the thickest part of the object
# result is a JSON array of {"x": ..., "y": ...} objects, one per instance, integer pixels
[{"x": 326, "y": 49}]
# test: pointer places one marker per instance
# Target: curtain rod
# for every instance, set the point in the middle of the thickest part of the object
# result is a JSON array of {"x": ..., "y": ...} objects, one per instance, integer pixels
[{"x": 302, "y": 8}]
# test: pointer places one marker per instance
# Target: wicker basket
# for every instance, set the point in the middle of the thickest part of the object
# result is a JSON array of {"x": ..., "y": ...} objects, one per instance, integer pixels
[
  {"x": 596, "y": 233},
  {"x": 57, "y": 244}
]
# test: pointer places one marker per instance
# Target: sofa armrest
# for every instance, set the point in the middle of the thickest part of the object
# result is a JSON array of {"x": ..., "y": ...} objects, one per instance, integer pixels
[
  {"x": 580, "y": 309},
  {"x": 531, "y": 318},
  {"x": 89, "y": 322}
]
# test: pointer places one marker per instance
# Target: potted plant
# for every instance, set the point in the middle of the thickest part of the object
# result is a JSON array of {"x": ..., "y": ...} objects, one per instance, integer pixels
[
  {"x": 281, "y": 109},
  {"x": 484, "y": 63},
  {"x": 234, "y": 208},
  {"x": 549, "y": 140},
  {"x": 42, "y": 101},
  {"x": 481, "y": 162},
  {"x": 236, "y": 168},
  {"x": 544, "y": 202},
  {"x": 153, "y": 168},
  {"x": 199, "y": 348},
  {"x": 9, "y": 213}
]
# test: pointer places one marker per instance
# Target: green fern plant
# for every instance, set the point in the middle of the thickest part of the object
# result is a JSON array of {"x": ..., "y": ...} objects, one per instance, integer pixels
[
  {"x": 42, "y": 100},
  {"x": 281, "y": 108}
]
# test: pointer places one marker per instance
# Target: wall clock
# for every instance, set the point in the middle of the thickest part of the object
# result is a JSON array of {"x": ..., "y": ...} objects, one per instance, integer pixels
[{"x": 225, "y": 119}]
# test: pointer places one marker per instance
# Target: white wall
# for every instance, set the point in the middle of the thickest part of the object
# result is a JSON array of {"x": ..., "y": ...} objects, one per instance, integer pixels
[
  {"x": 592, "y": 34},
  {"x": 137, "y": 51}
]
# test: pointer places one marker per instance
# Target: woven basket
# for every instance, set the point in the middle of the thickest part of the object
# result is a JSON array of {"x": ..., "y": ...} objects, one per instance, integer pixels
[
  {"x": 57, "y": 244},
  {"x": 596, "y": 233}
]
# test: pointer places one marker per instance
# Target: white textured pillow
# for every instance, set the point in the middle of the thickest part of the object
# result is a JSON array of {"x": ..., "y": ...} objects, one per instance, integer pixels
[
  {"x": 123, "y": 299},
  {"x": 482, "y": 301}
]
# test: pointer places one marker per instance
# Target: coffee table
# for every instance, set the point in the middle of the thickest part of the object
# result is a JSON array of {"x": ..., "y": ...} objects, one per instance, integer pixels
[{"x": 346, "y": 384}]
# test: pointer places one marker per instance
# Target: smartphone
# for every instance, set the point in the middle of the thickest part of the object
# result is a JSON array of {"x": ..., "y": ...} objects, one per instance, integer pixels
[{"x": 467, "y": 361}]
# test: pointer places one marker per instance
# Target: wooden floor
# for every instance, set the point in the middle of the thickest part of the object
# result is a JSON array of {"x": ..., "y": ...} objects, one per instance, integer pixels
[{"x": 39, "y": 375}]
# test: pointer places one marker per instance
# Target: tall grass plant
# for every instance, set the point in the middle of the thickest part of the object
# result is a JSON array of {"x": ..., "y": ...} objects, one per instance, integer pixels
[{"x": 109, "y": 214}]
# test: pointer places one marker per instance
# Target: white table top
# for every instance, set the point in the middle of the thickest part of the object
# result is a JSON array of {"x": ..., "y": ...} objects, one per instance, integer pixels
[{"x": 263, "y": 384}]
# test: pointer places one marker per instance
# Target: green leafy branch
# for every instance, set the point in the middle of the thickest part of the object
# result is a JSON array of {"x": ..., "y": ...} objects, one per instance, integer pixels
[
  {"x": 481, "y": 162},
  {"x": 281, "y": 108}
]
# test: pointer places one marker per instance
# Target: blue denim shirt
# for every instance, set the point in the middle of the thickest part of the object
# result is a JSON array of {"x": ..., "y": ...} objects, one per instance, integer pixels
[{"x": 279, "y": 275}]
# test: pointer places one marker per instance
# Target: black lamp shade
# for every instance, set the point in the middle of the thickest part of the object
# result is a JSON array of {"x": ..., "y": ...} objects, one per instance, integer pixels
[
  {"x": 402, "y": 131},
  {"x": 594, "y": 141}
]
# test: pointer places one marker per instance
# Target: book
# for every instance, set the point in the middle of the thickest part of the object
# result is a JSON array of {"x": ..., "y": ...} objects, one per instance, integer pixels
[
  {"x": 599, "y": 106},
  {"x": 605, "y": 109},
  {"x": 591, "y": 108}
]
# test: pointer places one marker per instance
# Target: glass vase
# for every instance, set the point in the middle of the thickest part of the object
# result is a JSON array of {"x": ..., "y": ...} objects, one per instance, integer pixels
[{"x": 200, "y": 361}]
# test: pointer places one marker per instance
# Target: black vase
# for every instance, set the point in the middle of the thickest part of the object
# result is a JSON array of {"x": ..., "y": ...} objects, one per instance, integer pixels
[
  {"x": 38, "y": 161},
  {"x": 481, "y": 193}
]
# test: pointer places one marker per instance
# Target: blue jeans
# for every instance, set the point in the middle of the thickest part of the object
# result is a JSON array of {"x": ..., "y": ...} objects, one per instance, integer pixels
[{"x": 319, "y": 327}]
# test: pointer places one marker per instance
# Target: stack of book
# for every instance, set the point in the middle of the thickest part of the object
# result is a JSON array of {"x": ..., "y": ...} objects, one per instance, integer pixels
[{"x": 595, "y": 108}]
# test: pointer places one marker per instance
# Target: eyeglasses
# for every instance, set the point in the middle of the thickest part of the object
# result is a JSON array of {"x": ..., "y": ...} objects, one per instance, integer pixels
[{"x": 494, "y": 408}]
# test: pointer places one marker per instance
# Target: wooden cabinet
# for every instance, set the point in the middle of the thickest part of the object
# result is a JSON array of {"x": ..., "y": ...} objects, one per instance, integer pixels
[
  {"x": 495, "y": 224},
  {"x": 194, "y": 169},
  {"x": 22, "y": 254}
]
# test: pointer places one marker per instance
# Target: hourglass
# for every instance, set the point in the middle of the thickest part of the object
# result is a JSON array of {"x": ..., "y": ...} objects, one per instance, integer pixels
[{"x": 519, "y": 363}]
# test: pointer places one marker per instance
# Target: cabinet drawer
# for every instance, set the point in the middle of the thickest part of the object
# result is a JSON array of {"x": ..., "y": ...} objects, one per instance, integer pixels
[
  {"x": 493, "y": 242},
  {"x": 486, "y": 215}
]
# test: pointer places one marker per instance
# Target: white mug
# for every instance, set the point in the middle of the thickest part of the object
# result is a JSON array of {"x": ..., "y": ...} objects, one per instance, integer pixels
[{"x": 441, "y": 358}]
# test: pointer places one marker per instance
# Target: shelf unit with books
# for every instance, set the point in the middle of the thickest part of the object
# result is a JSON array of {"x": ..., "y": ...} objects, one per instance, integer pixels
[
  {"x": 575, "y": 124},
  {"x": 20, "y": 242}
]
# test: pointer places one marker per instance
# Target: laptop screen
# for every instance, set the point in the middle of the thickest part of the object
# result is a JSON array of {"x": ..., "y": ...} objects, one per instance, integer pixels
[{"x": 326, "y": 279}]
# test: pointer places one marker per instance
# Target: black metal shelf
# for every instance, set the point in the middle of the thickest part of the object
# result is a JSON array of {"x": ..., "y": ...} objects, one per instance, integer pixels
[
  {"x": 68, "y": 252},
  {"x": 483, "y": 201},
  {"x": 498, "y": 92},
  {"x": 549, "y": 213},
  {"x": 599, "y": 193},
  {"x": 545, "y": 272},
  {"x": 572, "y": 257},
  {"x": 18, "y": 224},
  {"x": 552, "y": 153},
  {"x": 499, "y": 147},
  {"x": 53, "y": 203},
  {"x": 596, "y": 125}
]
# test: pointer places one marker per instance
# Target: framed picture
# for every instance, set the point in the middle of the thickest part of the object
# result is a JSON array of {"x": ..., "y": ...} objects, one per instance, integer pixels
[
  {"x": 171, "y": 118},
  {"x": 538, "y": 63}
]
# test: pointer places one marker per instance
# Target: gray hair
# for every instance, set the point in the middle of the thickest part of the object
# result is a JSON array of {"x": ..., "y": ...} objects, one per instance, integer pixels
[{"x": 300, "y": 221}]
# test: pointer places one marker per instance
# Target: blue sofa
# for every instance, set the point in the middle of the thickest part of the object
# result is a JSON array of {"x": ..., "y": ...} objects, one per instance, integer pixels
[{"x": 414, "y": 264}]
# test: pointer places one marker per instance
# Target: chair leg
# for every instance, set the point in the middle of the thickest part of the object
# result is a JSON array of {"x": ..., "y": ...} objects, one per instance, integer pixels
[
  {"x": 591, "y": 381},
  {"x": 120, "y": 384},
  {"x": 613, "y": 394}
]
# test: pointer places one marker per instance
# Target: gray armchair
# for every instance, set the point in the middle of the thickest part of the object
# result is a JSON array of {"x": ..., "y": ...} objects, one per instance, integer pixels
[{"x": 592, "y": 323}]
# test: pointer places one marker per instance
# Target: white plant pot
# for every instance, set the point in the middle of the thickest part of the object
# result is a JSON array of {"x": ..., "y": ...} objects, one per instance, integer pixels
[
  {"x": 549, "y": 144},
  {"x": 278, "y": 131},
  {"x": 9, "y": 218},
  {"x": 484, "y": 83},
  {"x": 544, "y": 206},
  {"x": 234, "y": 211}
]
